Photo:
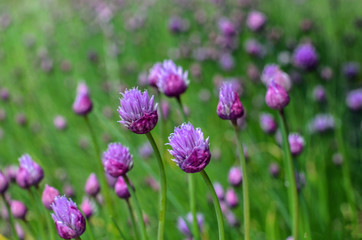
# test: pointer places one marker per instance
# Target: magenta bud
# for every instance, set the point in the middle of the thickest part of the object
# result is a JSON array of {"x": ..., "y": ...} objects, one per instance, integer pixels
[
  {"x": 182, "y": 227},
  {"x": 18, "y": 209},
  {"x": 111, "y": 180},
  {"x": 92, "y": 186},
  {"x": 4, "y": 184},
  {"x": 296, "y": 143},
  {"x": 87, "y": 207},
  {"x": 256, "y": 21},
  {"x": 82, "y": 104},
  {"x": 154, "y": 74},
  {"x": 219, "y": 190},
  {"x": 172, "y": 80},
  {"x": 226, "y": 27},
  {"x": 272, "y": 72},
  {"x": 117, "y": 160},
  {"x": 19, "y": 231},
  {"x": 231, "y": 198},
  {"x": 49, "y": 195},
  {"x": 274, "y": 170},
  {"x": 235, "y": 176},
  {"x": 305, "y": 57},
  {"x": 232, "y": 219},
  {"x": 267, "y": 123},
  {"x": 68, "y": 220},
  {"x": 29, "y": 173},
  {"x": 319, "y": 94},
  {"x": 121, "y": 188},
  {"x": 60, "y": 122},
  {"x": 229, "y": 106},
  {"x": 68, "y": 190},
  {"x": 354, "y": 99},
  {"x": 276, "y": 97}
]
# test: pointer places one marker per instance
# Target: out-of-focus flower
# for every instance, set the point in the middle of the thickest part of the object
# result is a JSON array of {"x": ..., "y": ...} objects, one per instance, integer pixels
[
  {"x": 354, "y": 99},
  {"x": 4, "y": 184},
  {"x": 326, "y": 73},
  {"x": 274, "y": 170},
  {"x": 117, "y": 160},
  {"x": 60, "y": 122},
  {"x": 219, "y": 190},
  {"x": 322, "y": 123},
  {"x": 49, "y": 195},
  {"x": 121, "y": 188},
  {"x": 29, "y": 173},
  {"x": 137, "y": 111},
  {"x": 226, "y": 61},
  {"x": 231, "y": 198},
  {"x": 267, "y": 123},
  {"x": 178, "y": 25},
  {"x": 189, "y": 148},
  {"x": 68, "y": 220},
  {"x": 235, "y": 176},
  {"x": 18, "y": 209},
  {"x": 254, "y": 48},
  {"x": 351, "y": 70},
  {"x": 256, "y": 21},
  {"x": 82, "y": 104},
  {"x": 296, "y": 142},
  {"x": 229, "y": 106},
  {"x": 226, "y": 27},
  {"x": 319, "y": 94},
  {"x": 272, "y": 72},
  {"x": 92, "y": 186},
  {"x": 145, "y": 150},
  {"x": 154, "y": 74},
  {"x": 305, "y": 57},
  {"x": 276, "y": 96},
  {"x": 87, "y": 207},
  {"x": 337, "y": 159}
]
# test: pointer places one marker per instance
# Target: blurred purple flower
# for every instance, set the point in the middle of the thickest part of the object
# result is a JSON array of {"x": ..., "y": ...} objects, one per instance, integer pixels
[
  {"x": 322, "y": 123},
  {"x": 267, "y": 123},
  {"x": 351, "y": 70},
  {"x": 18, "y": 209},
  {"x": 121, "y": 188},
  {"x": 48, "y": 196},
  {"x": 231, "y": 198},
  {"x": 296, "y": 142},
  {"x": 117, "y": 160},
  {"x": 60, "y": 122},
  {"x": 87, "y": 207},
  {"x": 235, "y": 176},
  {"x": 4, "y": 184},
  {"x": 92, "y": 186},
  {"x": 272, "y": 72},
  {"x": 256, "y": 21},
  {"x": 229, "y": 106},
  {"x": 354, "y": 99},
  {"x": 172, "y": 80},
  {"x": 305, "y": 57},
  {"x": 82, "y": 104},
  {"x": 276, "y": 96},
  {"x": 29, "y": 173}
]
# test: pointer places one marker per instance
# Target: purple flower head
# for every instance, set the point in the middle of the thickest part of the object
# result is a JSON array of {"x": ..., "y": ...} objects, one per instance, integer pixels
[
  {"x": 4, "y": 94},
  {"x": 272, "y": 72},
  {"x": 4, "y": 184},
  {"x": 296, "y": 142},
  {"x": 183, "y": 227},
  {"x": 322, "y": 123},
  {"x": 267, "y": 123},
  {"x": 178, "y": 25},
  {"x": 254, "y": 48},
  {"x": 199, "y": 219},
  {"x": 190, "y": 150},
  {"x": 48, "y": 196},
  {"x": 231, "y": 198},
  {"x": 154, "y": 74},
  {"x": 276, "y": 97},
  {"x": 29, "y": 173},
  {"x": 274, "y": 170},
  {"x": 69, "y": 190},
  {"x": 319, "y": 94},
  {"x": 18, "y": 209},
  {"x": 172, "y": 80},
  {"x": 92, "y": 186},
  {"x": 226, "y": 27},
  {"x": 226, "y": 61},
  {"x": 354, "y": 99},
  {"x": 137, "y": 111},
  {"x": 219, "y": 190},
  {"x": 305, "y": 57},
  {"x": 255, "y": 21},
  {"x": 145, "y": 150},
  {"x": 19, "y": 231},
  {"x": 82, "y": 104},
  {"x": 351, "y": 70},
  {"x": 326, "y": 73},
  {"x": 87, "y": 207},
  {"x": 60, "y": 122},
  {"x": 121, "y": 188},
  {"x": 117, "y": 160},
  {"x": 232, "y": 219},
  {"x": 229, "y": 106},
  {"x": 68, "y": 220},
  {"x": 235, "y": 176}
]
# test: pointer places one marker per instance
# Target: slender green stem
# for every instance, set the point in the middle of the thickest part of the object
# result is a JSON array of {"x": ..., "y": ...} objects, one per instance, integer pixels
[
  {"x": 118, "y": 228},
  {"x": 137, "y": 207},
  {"x": 161, "y": 221},
  {"x": 191, "y": 181},
  {"x": 11, "y": 219},
  {"x": 220, "y": 220},
  {"x": 292, "y": 187},
  {"x": 104, "y": 185},
  {"x": 132, "y": 219},
  {"x": 245, "y": 183}
]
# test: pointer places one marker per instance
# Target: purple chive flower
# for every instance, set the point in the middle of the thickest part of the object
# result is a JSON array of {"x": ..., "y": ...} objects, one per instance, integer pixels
[
  {"x": 235, "y": 176},
  {"x": 319, "y": 94},
  {"x": 231, "y": 198},
  {"x": 190, "y": 150},
  {"x": 19, "y": 231},
  {"x": 4, "y": 184},
  {"x": 254, "y": 48},
  {"x": 154, "y": 74},
  {"x": 121, "y": 188},
  {"x": 69, "y": 190},
  {"x": 326, "y": 73},
  {"x": 322, "y": 123},
  {"x": 178, "y": 25},
  {"x": 255, "y": 21},
  {"x": 199, "y": 219},
  {"x": 276, "y": 97},
  {"x": 87, "y": 207},
  {"x": 354, "y": 99},
  {"x": 29, "y": 173},
  {"x": 274, "y": 170},
  {"x": 226, "y": 27},
  {"x": 226, "y": 61},
  {"x": 60, "y": 122},
  {"x": 48, "y": 196},
  {"x": 232, "y": 219},
  {"x": 267, "y": 123},
  {"x": 82, "y": 104},
  {"x": 68, "y": 220},
  {"x": 137, "y": 111},
  {"x": 145, "y": 150},
  {"x": 182, "y": 227},
  {"x": 172, "y": 80},
  {"x": 18, "y": 209},
  {"x": 4, "y": 94},
  {"x": 111, "y": 180},
  {"x": 92, "y": 186},
  {"x": 296, "y": 142},
  {"x": 219, "y": 190},
  {"x": 272, "y": 72},
  {"x": 117, "y": 160},
  {"x": 229, "y": 106},
  {"x": 351, "y": 70},
  {"x": 305, "y": 57}
]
